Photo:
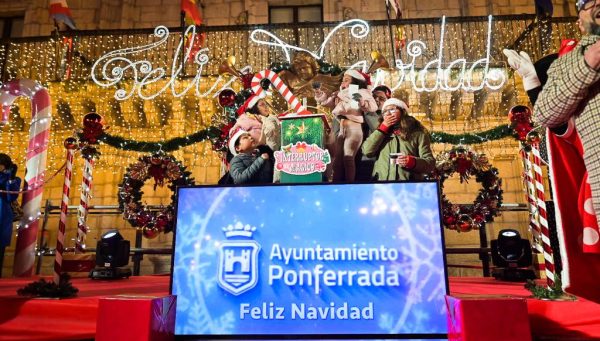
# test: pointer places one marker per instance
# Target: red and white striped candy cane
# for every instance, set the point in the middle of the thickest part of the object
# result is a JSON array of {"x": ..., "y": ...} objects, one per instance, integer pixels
[
  {"x": 86, "y": 188},
  {"x": 528, "y": 176},
  {"x": 64, "y": 206},
  {"x": 543, "y": 215},
  {"x": 292, "y": 100},
  {"x": 37, "y": 152}
]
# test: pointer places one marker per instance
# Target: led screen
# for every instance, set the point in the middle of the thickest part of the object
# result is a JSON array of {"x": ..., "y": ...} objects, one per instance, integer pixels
[{"x": 362, "y": 260}]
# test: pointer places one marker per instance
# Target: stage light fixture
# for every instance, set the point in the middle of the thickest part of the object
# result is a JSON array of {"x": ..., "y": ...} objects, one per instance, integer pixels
[
  {"x": 112, "y": 255},
  {"x": 512, "y": 257}
]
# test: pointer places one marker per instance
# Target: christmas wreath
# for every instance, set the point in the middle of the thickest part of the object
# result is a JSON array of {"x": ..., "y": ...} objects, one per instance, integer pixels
[
  {"x": 162, "y": 168},
  {"x": 466, "y": 163}
]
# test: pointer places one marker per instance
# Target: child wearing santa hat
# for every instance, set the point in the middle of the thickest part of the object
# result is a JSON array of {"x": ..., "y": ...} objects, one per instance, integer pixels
[
  {"x": 348, "y": 109},
  {"x": 250, "y": 164},
  {"x": 401, "y": 144},
  {"x": 249, "y": 118}
]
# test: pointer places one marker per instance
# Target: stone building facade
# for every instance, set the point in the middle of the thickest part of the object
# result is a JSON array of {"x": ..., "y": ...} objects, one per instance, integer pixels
[
  {"x": 124, "y": 14},
  {"x": 206, "y": 168}
]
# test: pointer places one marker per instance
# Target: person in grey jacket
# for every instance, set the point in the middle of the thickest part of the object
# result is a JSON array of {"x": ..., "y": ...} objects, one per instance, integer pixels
[
  {"x": 250, "y": 164},
  {"x": 401, "y": 144}
]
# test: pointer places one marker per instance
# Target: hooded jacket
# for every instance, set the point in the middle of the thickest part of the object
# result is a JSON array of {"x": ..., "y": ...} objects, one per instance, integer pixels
[{"x": 381, "y": 145}]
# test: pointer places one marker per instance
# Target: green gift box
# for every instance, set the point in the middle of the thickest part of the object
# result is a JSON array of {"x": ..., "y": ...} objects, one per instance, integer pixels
[{"x": 303, "y": 157}]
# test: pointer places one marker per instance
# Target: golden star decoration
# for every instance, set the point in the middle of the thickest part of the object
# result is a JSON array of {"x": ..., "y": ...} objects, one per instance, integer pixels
[{"x": 301, "y": 129}]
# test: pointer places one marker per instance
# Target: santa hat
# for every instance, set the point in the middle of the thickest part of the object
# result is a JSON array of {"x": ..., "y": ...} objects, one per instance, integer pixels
[
  {"x": 249, "y": 104},
  {"x": 359, "y": 75},
  {"x": 233, "y": 136},
  {"x": 395, "y": 102}
]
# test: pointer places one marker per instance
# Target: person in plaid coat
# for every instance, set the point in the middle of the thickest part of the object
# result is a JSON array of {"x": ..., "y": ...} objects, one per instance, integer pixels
[{"x": 573, "y": 90}]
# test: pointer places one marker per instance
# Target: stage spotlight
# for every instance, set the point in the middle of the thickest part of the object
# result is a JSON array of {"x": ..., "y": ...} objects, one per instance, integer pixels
[
  {"x": 512, "y": 257},
  {"x": 112, "y": 254}
]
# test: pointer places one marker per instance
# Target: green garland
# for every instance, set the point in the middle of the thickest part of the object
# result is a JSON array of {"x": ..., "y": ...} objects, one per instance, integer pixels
[
  {"x": 43, "y": 288},
  {"x": 211, "y": 133},
  {"x": 552, "y": 293},
  {"x": 496, "y": 133},
  {"x": 165, "y": 146}
]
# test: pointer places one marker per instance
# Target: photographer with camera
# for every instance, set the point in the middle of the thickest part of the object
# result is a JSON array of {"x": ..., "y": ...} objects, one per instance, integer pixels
[
  {"x": 9, "y": 183},
  {"x": 401, "y": 144}
]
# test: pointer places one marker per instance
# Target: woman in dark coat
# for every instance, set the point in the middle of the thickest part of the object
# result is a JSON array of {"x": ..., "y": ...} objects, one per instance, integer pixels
[{"x": 8, "y": 183}]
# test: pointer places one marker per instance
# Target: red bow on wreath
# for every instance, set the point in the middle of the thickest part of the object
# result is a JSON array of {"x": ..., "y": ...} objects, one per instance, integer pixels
[{"x": 158, "y": 171}]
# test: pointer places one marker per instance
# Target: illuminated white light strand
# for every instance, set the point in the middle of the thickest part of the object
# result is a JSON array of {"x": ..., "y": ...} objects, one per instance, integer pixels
[
  {"x": 446, "y": 79},
  {"x": 144, "y": 73},
  {"x": 464, "y": 79},
  {"x": 358, "y": 29},
  {"x": 492, "y": 79}
]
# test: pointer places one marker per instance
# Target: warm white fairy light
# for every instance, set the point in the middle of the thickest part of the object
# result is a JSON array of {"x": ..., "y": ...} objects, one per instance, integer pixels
[
  {"x": 358, "y": 28},
  {"x": 38, "y": 60},
  {"x": 464, "y": 79}
]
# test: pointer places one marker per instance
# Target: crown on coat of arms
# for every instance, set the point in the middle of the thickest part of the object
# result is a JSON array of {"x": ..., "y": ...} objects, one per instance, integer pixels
[{"x": 239, "y": 230}]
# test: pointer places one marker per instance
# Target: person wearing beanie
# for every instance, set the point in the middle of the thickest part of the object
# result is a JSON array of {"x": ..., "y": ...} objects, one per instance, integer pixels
[
  {"x": 251, "y": 164},
  {"x": 401, "y": 144},
  {"x": 9, "y": 182},
  {"x": 348, "y": 109},
  {"x": 249, "y": 118}
]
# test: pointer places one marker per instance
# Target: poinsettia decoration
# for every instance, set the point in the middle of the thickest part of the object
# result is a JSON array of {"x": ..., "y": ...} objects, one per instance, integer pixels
[
  {"x": 520, "y": 122},
  {"x": 93, "y": 128}
]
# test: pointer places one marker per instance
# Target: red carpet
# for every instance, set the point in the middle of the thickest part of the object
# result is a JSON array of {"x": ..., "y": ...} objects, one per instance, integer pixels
[
  {"x": 549, "y": 320},
  {"x": 66, "y": 319},
  {"x": 75, "y": 319}
]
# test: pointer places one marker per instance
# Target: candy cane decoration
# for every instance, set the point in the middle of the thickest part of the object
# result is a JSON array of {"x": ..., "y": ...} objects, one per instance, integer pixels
[
  {"x": 542, "y": 214},
  {"x": 531, "y": 199},
  {"x": 86, "y": 187},
  {"x": 70, "y": 145},
  {"x": 37, "y": 152},
  {"x": 292, "y": 100}
]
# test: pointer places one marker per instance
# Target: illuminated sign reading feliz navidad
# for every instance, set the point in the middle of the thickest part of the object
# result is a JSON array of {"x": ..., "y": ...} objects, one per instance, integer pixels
[{"x": 436, "y": 75}]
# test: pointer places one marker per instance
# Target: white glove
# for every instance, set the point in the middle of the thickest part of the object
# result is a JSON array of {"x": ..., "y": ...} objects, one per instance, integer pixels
[{"x": 521, "y": 63}]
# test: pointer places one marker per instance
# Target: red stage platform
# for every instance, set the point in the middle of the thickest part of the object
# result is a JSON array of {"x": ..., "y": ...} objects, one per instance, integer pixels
[{"x": 75, "y": 318}]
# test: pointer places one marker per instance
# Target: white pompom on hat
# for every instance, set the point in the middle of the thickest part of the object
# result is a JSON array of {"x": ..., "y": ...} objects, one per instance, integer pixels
[
  {"x": 233, "y": 136},
  {"x": 396, "y": 102}
]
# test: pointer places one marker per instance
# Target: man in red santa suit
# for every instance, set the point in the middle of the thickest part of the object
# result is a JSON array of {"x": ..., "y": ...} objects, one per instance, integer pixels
[{"x": 576, "y": 222}]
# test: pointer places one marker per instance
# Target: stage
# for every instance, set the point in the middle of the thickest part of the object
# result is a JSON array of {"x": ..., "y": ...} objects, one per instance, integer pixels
[{"x": 75, "y": 318}]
